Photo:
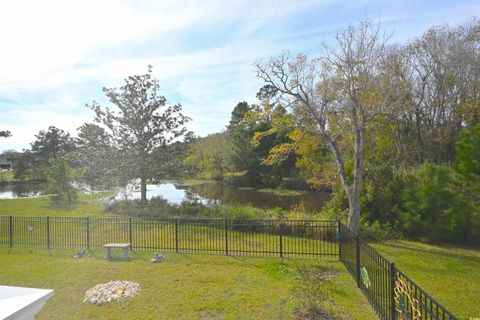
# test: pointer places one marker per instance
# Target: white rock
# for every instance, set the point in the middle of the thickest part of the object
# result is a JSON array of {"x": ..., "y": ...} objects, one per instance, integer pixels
[{"x": 111, "y": 291}]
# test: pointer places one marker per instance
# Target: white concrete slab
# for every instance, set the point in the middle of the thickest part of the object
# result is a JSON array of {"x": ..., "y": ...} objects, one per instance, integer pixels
[{"x": 22, "y": 303}]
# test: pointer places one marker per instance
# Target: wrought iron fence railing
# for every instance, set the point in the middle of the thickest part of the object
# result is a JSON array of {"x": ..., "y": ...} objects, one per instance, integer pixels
[
  {"x": 392, "y": 294},
  {"x": 283, "y": 238}
]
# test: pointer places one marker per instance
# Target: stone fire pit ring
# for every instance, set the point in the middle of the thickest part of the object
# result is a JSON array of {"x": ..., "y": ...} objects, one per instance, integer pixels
[{"x": 111, "y": 291}]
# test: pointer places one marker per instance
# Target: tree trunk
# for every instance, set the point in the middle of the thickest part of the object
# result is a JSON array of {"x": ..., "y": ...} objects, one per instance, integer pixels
[
  {"x": 355, "y": 190},
  {"x": 418, "y": 136},
  {"x": 354, "y": 211},
  {"x": 143, "y": 188}
]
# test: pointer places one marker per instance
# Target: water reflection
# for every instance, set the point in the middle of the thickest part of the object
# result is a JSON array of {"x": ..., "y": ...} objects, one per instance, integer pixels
[
  {"x": 220, "y": 193},
  {"x": 20, "y": 190},
  {"x": 168, "y": 191}
]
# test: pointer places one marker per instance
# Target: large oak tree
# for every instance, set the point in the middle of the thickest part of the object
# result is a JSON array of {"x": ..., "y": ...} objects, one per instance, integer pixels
[
  {"x": 334, "y": 96},
  {"x": 140, "y": 124}
]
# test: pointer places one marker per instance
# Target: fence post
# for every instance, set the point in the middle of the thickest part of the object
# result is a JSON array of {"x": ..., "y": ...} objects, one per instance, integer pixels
[
  {"x": 48, "y": 232},
  {"x": 392, "y": 290},
  {"x": 130, "y": 237},
  {"x": 281, "y": 240},
  {"x": 357, "y": 257},
  {"x": 226, "y": 236},
  {"x": 176, "y": 235},
  {"x": 339, "y": 240},
  {"x": 10, "y": 219},
  {"x": 88, "y": 233}
]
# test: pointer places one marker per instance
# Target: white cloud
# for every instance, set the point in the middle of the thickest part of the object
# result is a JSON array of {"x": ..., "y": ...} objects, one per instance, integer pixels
[
  {"x": 40, "y": 118},
  {"x": 47, "y": 39},
  {"x": 53, "y": 52}
]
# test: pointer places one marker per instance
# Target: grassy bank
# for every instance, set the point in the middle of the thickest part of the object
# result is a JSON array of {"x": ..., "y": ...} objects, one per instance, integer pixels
[
  {"x": 7, "y": 176},
  {"x": 186, "y": 182},
  {"x": 451, "y": 275},
  {"x": 183, "y": 287},
  {"x": 85, "y": 205},
  {"x": 282, "y": 192}
]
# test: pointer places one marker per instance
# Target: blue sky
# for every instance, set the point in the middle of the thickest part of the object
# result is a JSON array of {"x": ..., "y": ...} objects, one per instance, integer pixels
[{"x": 57, "y": 55}]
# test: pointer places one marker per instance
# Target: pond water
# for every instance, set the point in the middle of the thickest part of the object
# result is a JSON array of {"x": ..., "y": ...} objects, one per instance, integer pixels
[
  {"x": 20, "y": 190},
  {"x": 208, "y": 193},
  {"x": 211, "y": 193}
]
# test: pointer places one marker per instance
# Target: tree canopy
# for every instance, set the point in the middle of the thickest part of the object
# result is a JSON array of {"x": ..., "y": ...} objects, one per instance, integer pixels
[
  {"x": 51, "y": 144},
  {"x": 334, "y": 95},
  {"x": 391, "y": 130},
  {"x": 139, "y": 124}
]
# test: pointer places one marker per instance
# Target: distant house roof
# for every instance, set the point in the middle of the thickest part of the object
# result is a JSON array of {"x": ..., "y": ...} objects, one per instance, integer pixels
[{"x": 5, "y": 163}]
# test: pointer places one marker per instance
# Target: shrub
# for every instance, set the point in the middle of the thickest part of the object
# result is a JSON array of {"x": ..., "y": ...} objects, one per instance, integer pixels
[
  {"x": 160, "y": 208},
  {"x": 432, "y": 208},
  {"x": 311, "y": 289},
  {"x": 376, "y": 231},
  {"x": 60, "y": 180},
  {"x": 337, "y": 207}
]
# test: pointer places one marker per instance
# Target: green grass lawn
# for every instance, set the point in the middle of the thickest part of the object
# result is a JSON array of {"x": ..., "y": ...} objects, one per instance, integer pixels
[
  {"x": 182, "y": 287},
  {"x": 282, "y": 192},
  {"x": 451, "y": 275},
  {"x": 86, "y": 205},
  {"x": 7, "y": 176}
]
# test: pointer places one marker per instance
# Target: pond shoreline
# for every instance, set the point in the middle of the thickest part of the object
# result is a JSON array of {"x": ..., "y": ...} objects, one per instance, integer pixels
[
  {"x": 201, "y": 191},
  {"x": 14, "y": 182},
  {"x": 262, "y": 188},
  {"x": 210, "y": 192}
]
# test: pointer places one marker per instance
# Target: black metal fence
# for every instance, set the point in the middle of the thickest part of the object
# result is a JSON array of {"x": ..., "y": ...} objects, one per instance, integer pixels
[
  {"x": 392, "y": 294},
  {"x": 290, "y": 238}
]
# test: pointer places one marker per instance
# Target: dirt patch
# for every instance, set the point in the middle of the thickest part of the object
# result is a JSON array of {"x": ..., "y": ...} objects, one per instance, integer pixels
[
  {"x": 310, "y": 314},
  {"x": 210, "y": 315},
  {"x": 321, "y": 274},
  {"x": 312, "y": 293},
  {"x": 316, "y": 274}
]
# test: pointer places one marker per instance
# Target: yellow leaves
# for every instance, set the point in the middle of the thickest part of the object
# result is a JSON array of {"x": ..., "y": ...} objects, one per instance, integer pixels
[
  {"x": 258, "y": 136},
  {"x": 314, "y": 160},
  {"x": 295, "y": 134},
  {"x": 370, "y": 97},
  {"x": 320, "y": 174},
  {"x": 278, "y": 153},
  {"x": 277, "y": 117},
  {"x": 312, "y": 156},
  {"x": 308, "y": 145},
  {"x": 470, "y": 112},
  {"x": 252, "y": 116}
]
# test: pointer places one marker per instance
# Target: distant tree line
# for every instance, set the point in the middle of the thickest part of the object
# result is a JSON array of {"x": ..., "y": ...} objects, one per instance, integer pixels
[
  {"x": 5, "y": 134},
  {"x": 135, "y": 139},
  {"x": 392, "y": 130}
]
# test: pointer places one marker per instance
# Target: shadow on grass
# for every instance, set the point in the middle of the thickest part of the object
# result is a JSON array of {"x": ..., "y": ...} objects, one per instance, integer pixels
[
  {"x": 69, "y": 253},
  {"x": 253, "y": 261},
  {"x": 199, "y": 258},
  {"x": 63, "y": 205},
  {"x": 441, "y": 252},
  {"x": 39, "y": 251}
]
